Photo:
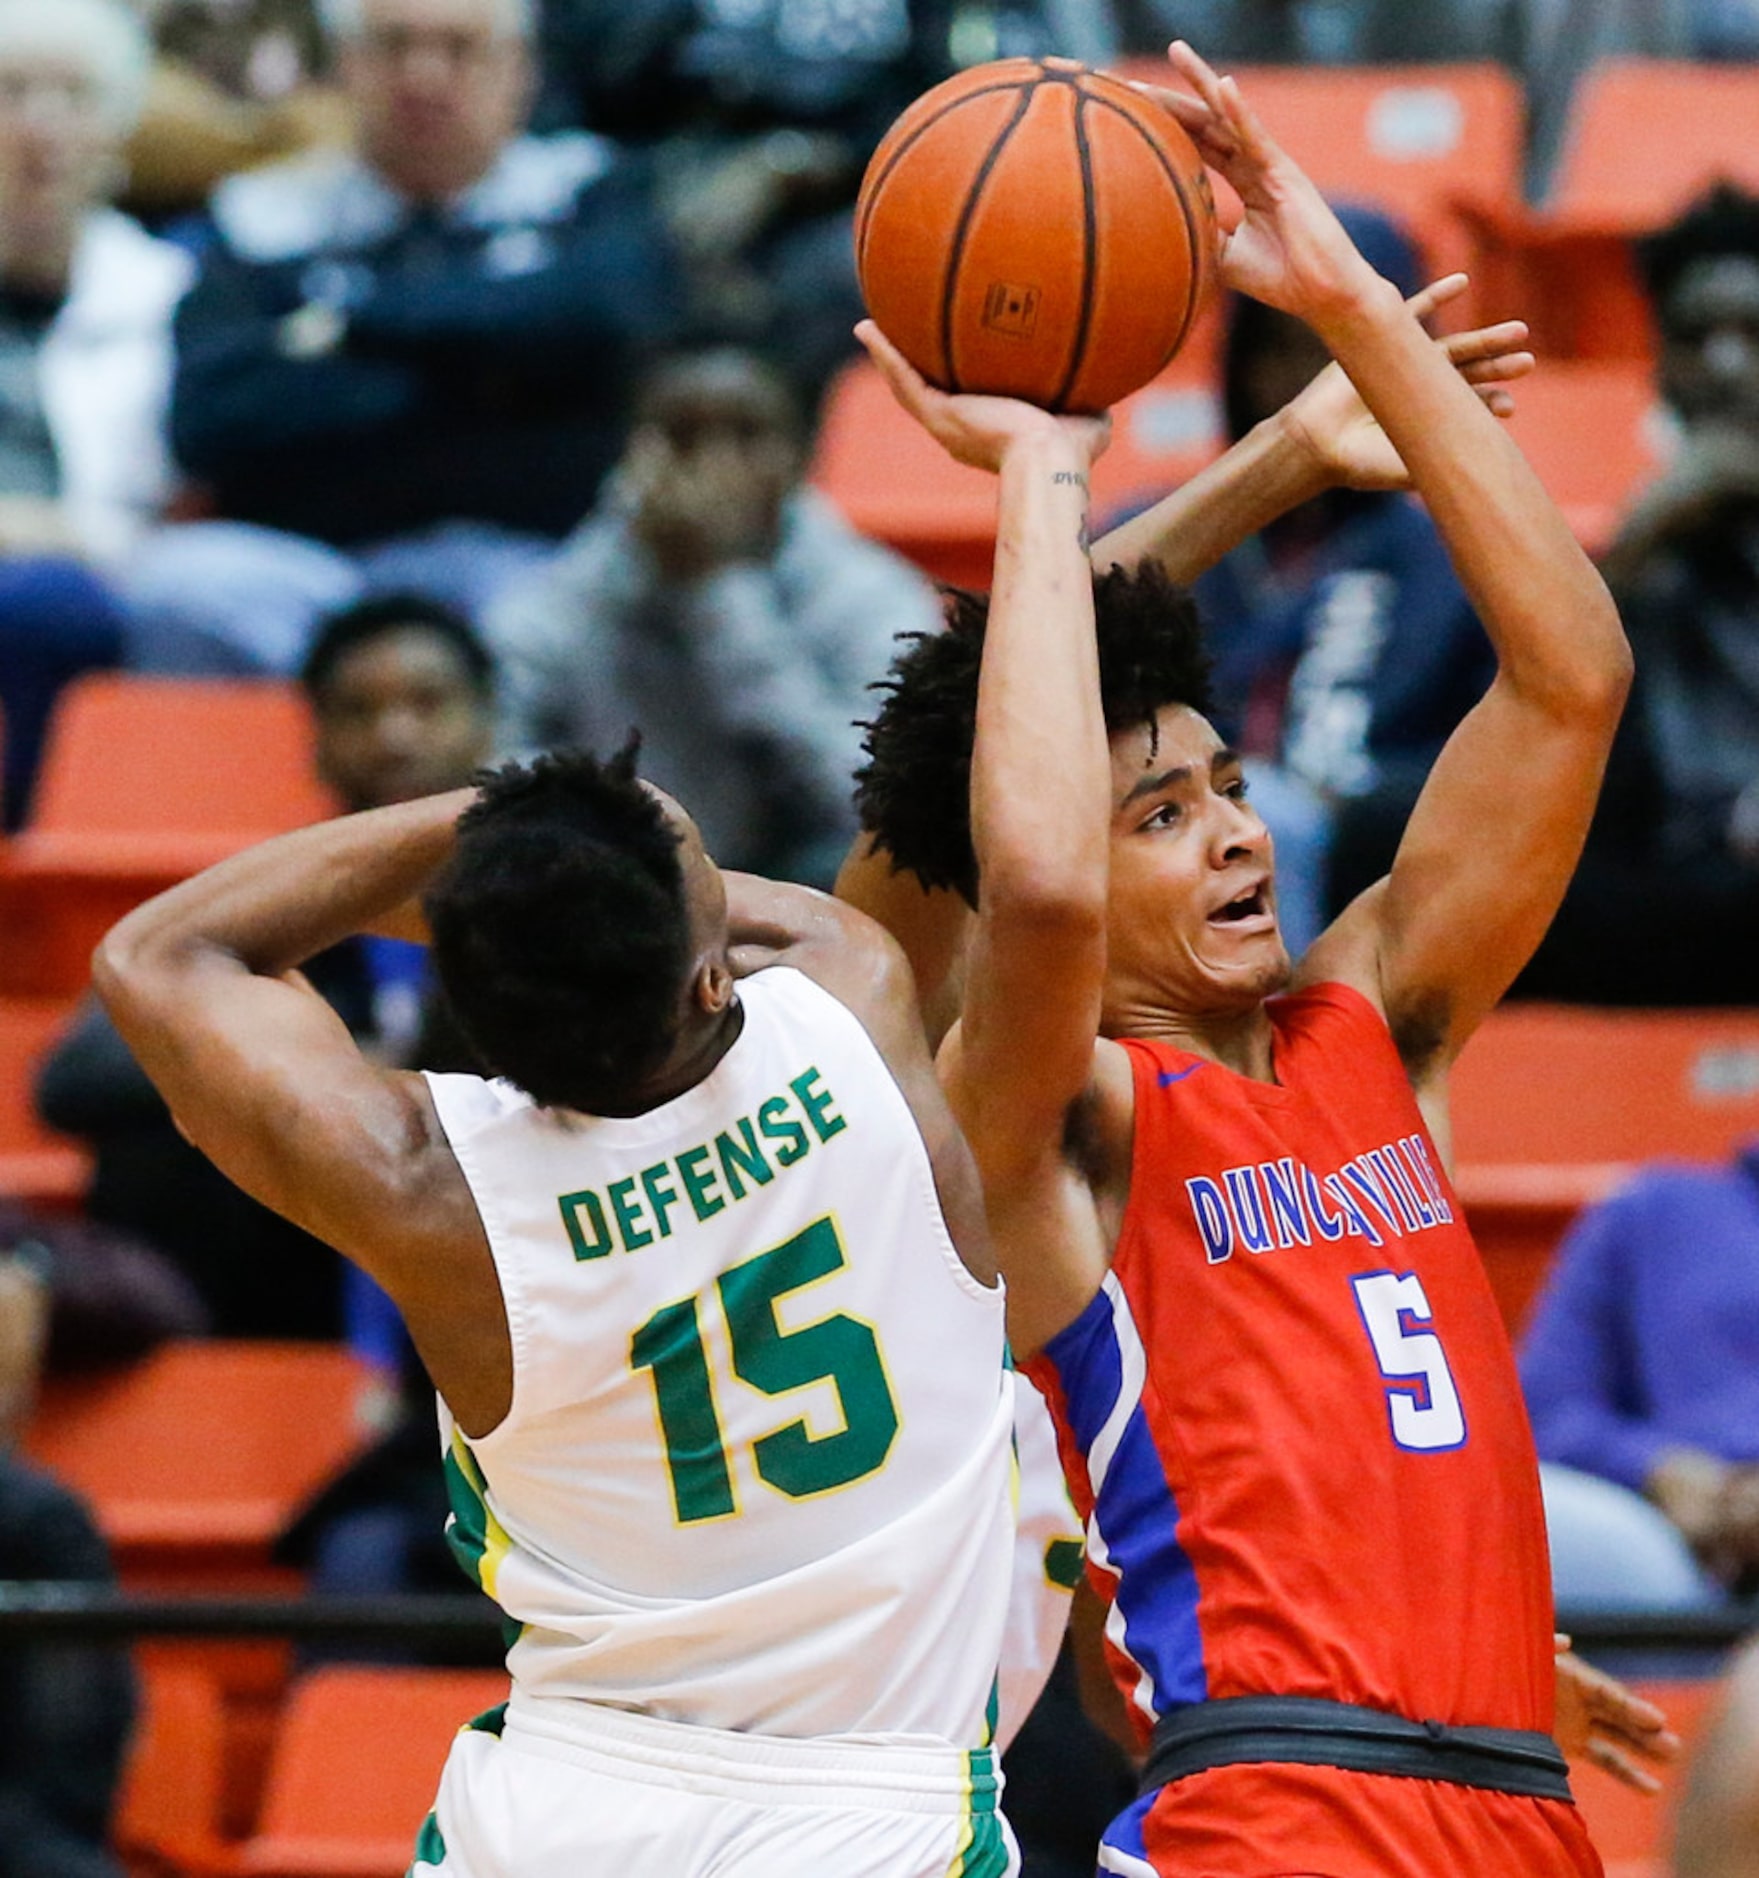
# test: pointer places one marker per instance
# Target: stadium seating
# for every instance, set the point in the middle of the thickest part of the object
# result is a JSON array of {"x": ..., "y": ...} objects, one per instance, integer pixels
[
  {"x": 896, "y": 485},
  {"x": 355, "y": 1765},
  {"x": 1418, "y": 141},
  {"x": 1644, "y": 139},
  {"x": 1595, "y": 433},
  {"x": 144, "y": 781},
  {"x": 1553, "y": 1104},
  {"x": 168, "y": 1814},
  {"x": 1646, "y": 136},
  {"x": 35, "y": 1165},
  {"x": 195, "y": 1458}
]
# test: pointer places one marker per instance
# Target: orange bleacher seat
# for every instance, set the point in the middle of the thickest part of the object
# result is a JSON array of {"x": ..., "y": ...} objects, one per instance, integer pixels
[
  {"x": 144, "y": 781},
  {"x": 1647, "y": 136},
  {"x": 1644, "y": 139},
  {"x": 1596, "y": 433},
  {"x": 1422, "y": 142},
  {"x": 195, "y": 1458},
  {"x": 169, "y": 1809},
  {"x": 1553, "y": 1104},
  {"x": 894, "y": 483},
  {"x": 356, "y": 1764},
  {"x": 35, "y": 1164}
]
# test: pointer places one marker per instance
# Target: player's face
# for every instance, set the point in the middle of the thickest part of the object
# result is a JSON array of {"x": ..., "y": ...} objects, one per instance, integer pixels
[
  {"x": 705, "y": 893},
  {"x": 399, "y": 718},
  {"x": 1191, "y": 917}
]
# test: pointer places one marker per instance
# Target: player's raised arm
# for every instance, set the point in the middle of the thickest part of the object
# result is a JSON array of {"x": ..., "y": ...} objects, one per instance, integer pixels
[
  {"x": 1324, "y": 438},
  {"x": 1498, "y": 829},
  {"x": 1040, "y": 799},
  {"x": 262, "y": 1075}
]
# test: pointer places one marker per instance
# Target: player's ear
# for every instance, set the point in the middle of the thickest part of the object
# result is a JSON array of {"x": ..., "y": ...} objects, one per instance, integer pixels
[{"x": 711, "y": 989}]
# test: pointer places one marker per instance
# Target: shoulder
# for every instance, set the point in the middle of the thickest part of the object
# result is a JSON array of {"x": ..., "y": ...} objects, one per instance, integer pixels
[
  {"x": 117, "y": 263},
  {"x": 309, "y": 204},
  {"x": 542, "y": 179}
]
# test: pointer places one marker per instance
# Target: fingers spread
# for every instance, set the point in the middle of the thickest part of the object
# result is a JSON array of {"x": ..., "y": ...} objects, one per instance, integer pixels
[
  {"x": 1624, "y": 1770},
  {"x": 1424, "y": 302}
]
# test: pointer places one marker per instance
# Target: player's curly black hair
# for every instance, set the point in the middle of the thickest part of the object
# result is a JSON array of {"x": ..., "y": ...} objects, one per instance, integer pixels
[
  {"x": 913, "y": 793},
  {"x": 1723, "y": 221},
  {"x": 561, "y": 936}
]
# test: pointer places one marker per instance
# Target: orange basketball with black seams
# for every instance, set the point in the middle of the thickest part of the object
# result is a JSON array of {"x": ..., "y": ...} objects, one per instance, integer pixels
[{"x": 1038, "y": 229}]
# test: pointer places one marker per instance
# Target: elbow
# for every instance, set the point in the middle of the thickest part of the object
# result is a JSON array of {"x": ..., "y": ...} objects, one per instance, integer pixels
[
  {"x": 116, "y": 964},
  {"x": 1588, "y": 687},
  {"x": 132, "y": 954}
]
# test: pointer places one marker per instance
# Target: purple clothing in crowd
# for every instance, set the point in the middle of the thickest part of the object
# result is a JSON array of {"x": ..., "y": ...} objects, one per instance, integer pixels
[{"x": 1647, "y": 1334}]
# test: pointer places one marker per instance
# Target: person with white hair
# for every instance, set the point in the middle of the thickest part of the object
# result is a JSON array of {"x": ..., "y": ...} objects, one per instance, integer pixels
[
  {"x": 405, "y": 364},
  {"x": 85, "y": 304}
]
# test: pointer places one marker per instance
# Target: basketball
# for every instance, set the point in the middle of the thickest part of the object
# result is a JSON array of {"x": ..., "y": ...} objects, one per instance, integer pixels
[{"x": 1035, "y": 228}]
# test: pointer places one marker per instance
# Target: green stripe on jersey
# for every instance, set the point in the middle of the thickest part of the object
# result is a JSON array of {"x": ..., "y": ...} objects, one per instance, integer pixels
[
  {"x": 983, "y": 1846},
  {"x": 430, "y": 1848}
]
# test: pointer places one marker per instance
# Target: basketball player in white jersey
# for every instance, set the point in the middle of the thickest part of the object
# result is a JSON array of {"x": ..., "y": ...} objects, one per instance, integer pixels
[{"x": 702, "y": 1281}]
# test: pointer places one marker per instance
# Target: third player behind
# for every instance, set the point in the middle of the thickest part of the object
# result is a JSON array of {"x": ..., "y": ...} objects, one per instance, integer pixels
[{"x": 1285, "y": 1396}]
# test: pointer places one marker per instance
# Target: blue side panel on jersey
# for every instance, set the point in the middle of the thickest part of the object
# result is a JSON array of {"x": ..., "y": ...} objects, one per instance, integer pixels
[{"x": 1137, "y": 1515}]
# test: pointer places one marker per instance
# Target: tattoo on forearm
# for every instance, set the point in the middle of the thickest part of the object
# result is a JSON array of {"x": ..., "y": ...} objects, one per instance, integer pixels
[{"x": 1070, "y": 476}]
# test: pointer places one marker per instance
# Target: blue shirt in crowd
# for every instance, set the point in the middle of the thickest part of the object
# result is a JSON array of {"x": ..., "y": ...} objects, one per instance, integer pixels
[{"x": 1647, "y": 1334}]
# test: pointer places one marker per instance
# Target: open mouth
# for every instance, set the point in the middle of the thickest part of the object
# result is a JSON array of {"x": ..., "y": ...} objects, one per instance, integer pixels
[{"x": 1252, "y": 904}]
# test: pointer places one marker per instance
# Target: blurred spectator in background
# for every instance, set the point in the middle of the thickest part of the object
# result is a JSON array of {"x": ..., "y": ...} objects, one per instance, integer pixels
[
  {"x": 716, "y": 602},
  {"x": 85, "y": 306},
  {"x": 1675, "y": 846},
  {"x": 236, "y": 83},
  {"x": 1640, "y": 1375},
  {"x": 1716, "y": 1824},
  {"x": 404, "y": 365},
  {"x": 69, "y": 1707},
  {"x": 1345, "y": 648},
  {"x": 762, "y": 115},
  {"x": 402, "y": 693}
]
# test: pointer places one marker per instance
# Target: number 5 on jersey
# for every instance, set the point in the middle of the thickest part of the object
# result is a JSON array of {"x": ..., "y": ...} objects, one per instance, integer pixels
[
  {"x": 839, "y": 1349},
  {"x": 1421, "y": 1400}
]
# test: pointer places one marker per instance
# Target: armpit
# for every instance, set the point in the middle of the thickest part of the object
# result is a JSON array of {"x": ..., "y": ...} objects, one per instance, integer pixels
[{"x": 1420, "y": 1032}]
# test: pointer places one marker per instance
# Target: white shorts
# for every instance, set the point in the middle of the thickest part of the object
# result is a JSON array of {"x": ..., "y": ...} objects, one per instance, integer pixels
[{"x": 540, "y": 1795}]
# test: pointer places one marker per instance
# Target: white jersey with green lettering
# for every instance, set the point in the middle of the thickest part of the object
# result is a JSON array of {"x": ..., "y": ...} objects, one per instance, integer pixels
[{"x": 755, "y": 1475}]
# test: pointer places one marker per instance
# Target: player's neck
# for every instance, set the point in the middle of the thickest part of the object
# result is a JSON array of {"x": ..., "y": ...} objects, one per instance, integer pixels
[
  {"x": 1243, "y": 1041},
  {"x": 694, "y": 1059}
]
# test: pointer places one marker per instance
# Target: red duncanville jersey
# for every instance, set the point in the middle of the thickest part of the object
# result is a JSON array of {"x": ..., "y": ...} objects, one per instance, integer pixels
[{"x": 1290, "y": 1417}]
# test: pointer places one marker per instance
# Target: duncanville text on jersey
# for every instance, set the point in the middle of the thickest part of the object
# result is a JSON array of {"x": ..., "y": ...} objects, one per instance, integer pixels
[{"x": 1266, "y": 1206}]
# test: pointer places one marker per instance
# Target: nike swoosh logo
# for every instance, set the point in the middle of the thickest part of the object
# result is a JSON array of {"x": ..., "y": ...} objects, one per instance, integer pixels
[{"x": 1170, "y": 1076}]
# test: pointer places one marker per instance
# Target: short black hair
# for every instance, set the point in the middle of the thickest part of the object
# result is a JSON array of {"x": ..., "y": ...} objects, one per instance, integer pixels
[
  {"x": 913, "y": 794},
  {"x": 561, "y": 937},
  {"x": 340, "y": 633},
  {"x": 1724, "y": 221}
]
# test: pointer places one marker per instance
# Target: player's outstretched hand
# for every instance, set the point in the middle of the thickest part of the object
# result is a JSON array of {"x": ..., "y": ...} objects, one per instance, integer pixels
[
  {"x": 974, "y": 429},
  {"x": 1289, "y": 250},
  {"x": 1331, "y": 423},
  {"x": 1602, "y": 1722}
]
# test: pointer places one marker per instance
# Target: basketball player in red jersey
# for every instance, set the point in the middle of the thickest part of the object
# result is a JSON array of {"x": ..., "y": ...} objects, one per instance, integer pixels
[{"x": 1285, "y": 1398}]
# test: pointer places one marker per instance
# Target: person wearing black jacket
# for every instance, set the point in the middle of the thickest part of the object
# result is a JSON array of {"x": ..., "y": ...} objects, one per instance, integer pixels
[{"x": 405, "y": 364}]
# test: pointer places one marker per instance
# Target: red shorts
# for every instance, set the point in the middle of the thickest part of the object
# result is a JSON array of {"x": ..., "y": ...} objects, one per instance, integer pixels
[{"x": 1324, "y": 1822}]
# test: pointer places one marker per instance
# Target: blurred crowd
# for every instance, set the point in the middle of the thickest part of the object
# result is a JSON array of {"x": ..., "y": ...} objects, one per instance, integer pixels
[{"x": 463, "y": 362}]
